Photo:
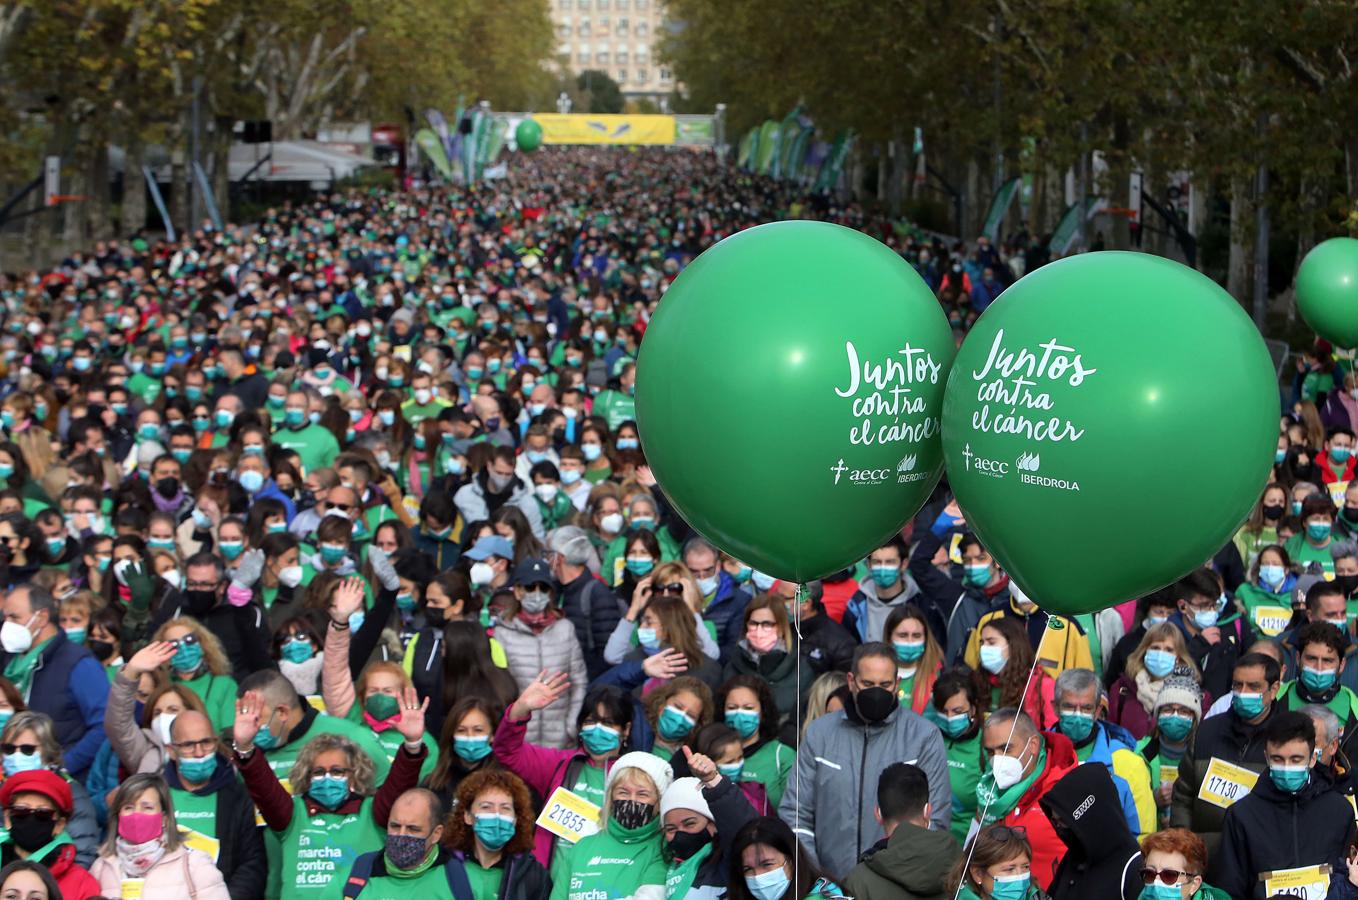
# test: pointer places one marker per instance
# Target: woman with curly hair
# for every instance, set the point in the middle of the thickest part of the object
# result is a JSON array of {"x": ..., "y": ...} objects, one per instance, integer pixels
[
  {"x": 747, "y": 705},
  {"x": 676, "y": 710},
  {"x": 201, "y": 665},
  {"x": 335, "y": 812},
  {"x": 1007, "y": 660},
  {"x": 492, "y": 834}
]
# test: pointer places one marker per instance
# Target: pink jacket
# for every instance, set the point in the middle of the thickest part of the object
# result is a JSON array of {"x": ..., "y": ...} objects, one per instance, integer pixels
[
  {"x": 542, "y": 768},
  {"x": 183, "y": 874}
]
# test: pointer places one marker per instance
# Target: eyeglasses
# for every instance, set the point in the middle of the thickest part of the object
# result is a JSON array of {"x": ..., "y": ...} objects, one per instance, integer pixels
[
  {"x": 17, "y": 813},
  {"x": 676, "y": 589},
  {"x": 206, "y": 746},
  {"x": 25, "y": 749},
  {"x": 1166, "y": 876},
  {"x": 761, "y": 626},
  {"x": 333, "y": 772}
]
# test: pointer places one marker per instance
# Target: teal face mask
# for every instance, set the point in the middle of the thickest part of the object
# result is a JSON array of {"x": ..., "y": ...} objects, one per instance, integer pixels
[
  {"x": 77, "y": 635},
  {"x": 1174, "y": 728},
  {"x": 600, "y": 739},
  {"x": 493, "y": 830},
  {"x": 731, "y": 771},
  {"x": 198, "y": 770},
  {"x": 952, "y": 726},
  {"x": 1077, "y": 726},
  {"x": 1317, "y": 531},
  {"x": 1247, "y": 706},
  {"x": 886, "y": 576},
  {"x": 328, "y": 791},
  {"x": 297, "y": 651},
  {"x": 976, "y": 575},
  {"x": 674, "y": 724},
  {"x": 1010, "y": 887},
  {"x": 744, "y": 721},
  {"x": 187, "y": 658},
  {"x": 472, "y": 749},
  {"x": 1318, "y": 680},
  {"x": 1290, "y": 778},
  {"x": 266, "y": 740},
  {"x": 908, "y": 652},
  {"x": 231, "y": 549}
]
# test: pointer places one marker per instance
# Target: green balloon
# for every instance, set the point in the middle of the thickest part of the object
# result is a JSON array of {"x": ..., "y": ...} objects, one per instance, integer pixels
[
  {"x": 1327, "y": 290},
  {"x": 788, "y": 394},
  {"x": 528, "y": 135},
  {"x": 1108, "y": 424}
]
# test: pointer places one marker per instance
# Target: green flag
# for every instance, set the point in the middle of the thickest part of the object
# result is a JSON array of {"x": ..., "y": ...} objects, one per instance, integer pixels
[{"x": 432, "y": 147}]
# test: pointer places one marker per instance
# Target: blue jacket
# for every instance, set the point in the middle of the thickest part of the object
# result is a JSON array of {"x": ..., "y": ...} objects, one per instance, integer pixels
[
  {"x": 271, "y": 491},
  {"x": 1107, "y": 738},
  {"x": 726, "y": 611},
  {"x": 70, "y": 686}
]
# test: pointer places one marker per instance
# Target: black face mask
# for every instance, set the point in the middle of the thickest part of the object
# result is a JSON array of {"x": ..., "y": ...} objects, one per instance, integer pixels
[
  {"x": 633, "y": 813},
  {"x": 1274, "y": 513},
  {"x": 686, "y": 845},
  {"x": 102, "y": 650},
  {"x": 167, "y": 488},
  {"x": 29, "y": 834},
  {"x": 201, "y": 601},
  {"x": 1346, "y": 583},
  {"x": 875, "y": 704},
  {"x": 305, "y": 500}
]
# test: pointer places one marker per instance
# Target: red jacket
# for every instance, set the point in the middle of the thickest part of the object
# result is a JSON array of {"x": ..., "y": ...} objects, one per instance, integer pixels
[
  {"x": 75, "y": 882},
  {"x": 1327, "y": 471},
  {"x": 1027, "y": 814}
]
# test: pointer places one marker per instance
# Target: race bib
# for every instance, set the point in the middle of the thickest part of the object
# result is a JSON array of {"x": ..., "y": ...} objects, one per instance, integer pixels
[
  {"x": 1272, "y": 620},
  {"x": 199, "y": 841},
  {"x": 1309, "y": 883},
  {"x": 1225, "y": 783},
  {"x": 1337, "y": 492},
  {"x": 1169, "y": 774},
  {"x": 132, "y": 888},
  {"x": 569, "y": 816}
]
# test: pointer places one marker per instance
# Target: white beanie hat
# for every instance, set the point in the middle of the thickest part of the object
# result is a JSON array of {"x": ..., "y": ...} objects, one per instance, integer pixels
[
  {"x": 652, "y": 765},
  {"x": 685, "y": 793}
]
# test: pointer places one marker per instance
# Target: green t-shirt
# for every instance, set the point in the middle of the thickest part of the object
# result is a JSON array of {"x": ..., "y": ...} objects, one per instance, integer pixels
[
  {"x": 616, "y": 408},
  {"x": 315, "y": 445},
  {"x": 613, "y": 864},
  {"x": 195, "y": 813},
  {"x": 432, "y": 884},
  {"x": 319, "y": 850},
  {"x": 485, "y": 882},
  {"x": 964, "y": 771},
  {"x": 144, "y": 386},
  {"x": 1302, "y": 553},
  {"x": 770, "y": 766},
  {"x": 218, "y": 693}
]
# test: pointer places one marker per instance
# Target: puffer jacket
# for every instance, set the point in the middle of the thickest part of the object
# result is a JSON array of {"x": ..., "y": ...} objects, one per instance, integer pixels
[
  {"x": 554, "y": 650},
  {"x": 832, "y": 795},
  {"x": 139, "y": 749},
  {"x": 181, "y": 873}
]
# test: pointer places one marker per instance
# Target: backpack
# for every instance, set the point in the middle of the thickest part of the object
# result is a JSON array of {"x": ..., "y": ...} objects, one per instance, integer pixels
[{"x": 362, "y": 872}]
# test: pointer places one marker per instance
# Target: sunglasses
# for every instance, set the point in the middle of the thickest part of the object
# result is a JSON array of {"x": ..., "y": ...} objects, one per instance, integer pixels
[
  {"x": 189, "y": 639},
  {"x": 25, "y": 749},
  {"x": 1166, "y": 876},
  {"x": 676, "y": 589},
  {"x": 18, "y": 813},
  {"x": 342, "y": 507}
]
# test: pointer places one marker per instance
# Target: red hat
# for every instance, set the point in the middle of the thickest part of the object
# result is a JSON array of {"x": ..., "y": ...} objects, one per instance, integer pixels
[{"x": 39, "y": 781}]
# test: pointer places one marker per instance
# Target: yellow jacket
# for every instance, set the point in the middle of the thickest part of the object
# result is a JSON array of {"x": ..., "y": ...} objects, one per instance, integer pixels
[{"x": 1064, "y": 644}]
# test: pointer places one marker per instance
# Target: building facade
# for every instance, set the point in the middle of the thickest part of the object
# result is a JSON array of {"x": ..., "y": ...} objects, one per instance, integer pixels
[{"x": 618, "y": 37}]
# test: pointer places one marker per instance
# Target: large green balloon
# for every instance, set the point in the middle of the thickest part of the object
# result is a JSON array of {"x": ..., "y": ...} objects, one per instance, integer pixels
[
  {"x": 788, "y": 394},
  {"x": 1108, "y": 424},
  {"x": 528, "y": 135},
  {"x": 1327, "y": 290}
]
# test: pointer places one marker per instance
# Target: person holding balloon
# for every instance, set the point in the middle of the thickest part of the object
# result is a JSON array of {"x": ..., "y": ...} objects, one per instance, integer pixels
[{"x": 1059, "y": 642}]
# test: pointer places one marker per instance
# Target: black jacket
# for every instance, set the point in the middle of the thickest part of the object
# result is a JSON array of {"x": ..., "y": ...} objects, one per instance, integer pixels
[
  {"x": 730, "y": 812},
  {"x": 594, "y": 611},
  {"x": 1269, "y": 829},
  {"x": 242, "y": 859},
  {"x": 829, "y": 644},
  {"x": 1229, "y": 739},
  {"x": 1102, "y": 856}
]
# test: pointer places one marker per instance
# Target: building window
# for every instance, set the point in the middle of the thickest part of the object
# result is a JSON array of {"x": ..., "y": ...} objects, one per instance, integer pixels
[
  {"x": 583, "y": 5},
  {"x": 622, "y": 26},
  {"x": 564, "y": 5},
  {"x": 563, "y": 30},
  {"x": 582, "y": 58},
  {"x": 664, "y": 74},
  {"x": 643, "y": 76},
  {"x": 642, "y": 29},
  {"x": 601, "y": 57},
  {"x": 603, "y": 5},
  {"x": 642, "y": 57},
  {"x": 643, "y": 5},
  {"x": 621, "y": 57},
  {"x": 622, "y": 76},
  {"x": 623, "y": 5},
  {"x": 583, "y": 28},
  {"x": 603, "y": 26}
]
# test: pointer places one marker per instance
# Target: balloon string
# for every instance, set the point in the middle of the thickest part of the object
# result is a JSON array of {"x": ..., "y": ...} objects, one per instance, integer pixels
[
  {"x": 797, "y": 724},
  {"x": 980, "y": 817}
]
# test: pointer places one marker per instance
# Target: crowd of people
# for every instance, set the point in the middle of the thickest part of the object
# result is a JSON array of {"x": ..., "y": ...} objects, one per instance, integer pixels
[{"x": 333, "y": 567}]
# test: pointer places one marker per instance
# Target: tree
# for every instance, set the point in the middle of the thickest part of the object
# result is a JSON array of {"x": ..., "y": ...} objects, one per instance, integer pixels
[{"x": 602, "y": 93}]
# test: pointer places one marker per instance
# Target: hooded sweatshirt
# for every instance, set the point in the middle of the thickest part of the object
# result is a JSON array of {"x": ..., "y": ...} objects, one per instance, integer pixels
[
  {"x": 1102, "y": 857},
  {"x": 912, "y": 864}
]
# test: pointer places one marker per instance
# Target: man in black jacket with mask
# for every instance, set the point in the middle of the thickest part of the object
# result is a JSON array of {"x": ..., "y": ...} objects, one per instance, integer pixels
[
  {"x": 831, "y": 798},
  {"x": 1102, "y": 857}
]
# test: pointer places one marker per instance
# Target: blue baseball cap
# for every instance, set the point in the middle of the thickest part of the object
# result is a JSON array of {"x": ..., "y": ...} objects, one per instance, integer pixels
[{"x": 491, "y": 545}]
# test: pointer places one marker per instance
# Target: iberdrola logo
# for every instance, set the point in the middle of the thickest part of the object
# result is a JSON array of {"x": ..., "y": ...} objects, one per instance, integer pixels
[{"x": 907, "y": 464}]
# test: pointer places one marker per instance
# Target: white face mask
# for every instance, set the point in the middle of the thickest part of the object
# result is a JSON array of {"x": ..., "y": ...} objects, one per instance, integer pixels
[
  {"x": 173, "y": 578},
  {"x": 546, "y": 492},
  {"x": 612, "y": 523},
  {"x": 161, "y": 726},
  {"x": 290, "y": 576},
  {"x": 1008, "y": 770},
  {"x": 16, "y": 638},
  {"x": 482, "y": 574},
  {"x": 120, "y": 570}
]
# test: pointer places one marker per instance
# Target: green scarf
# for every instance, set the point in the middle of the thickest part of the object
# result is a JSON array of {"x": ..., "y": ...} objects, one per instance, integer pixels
[
  {"x": 416, "y": 872},
  {"x": 996, "y": 804},
  {"x": 20, "y": 668},
  {"x": 680, "y": 877}
]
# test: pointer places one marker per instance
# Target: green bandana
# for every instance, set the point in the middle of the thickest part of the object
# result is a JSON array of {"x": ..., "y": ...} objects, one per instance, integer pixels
[
  {"x": 20, "y": 668},
  {"x": 419, "y": 870},
  {"x": 996, "y": 804},
  {"x": 680, "y": 877}
]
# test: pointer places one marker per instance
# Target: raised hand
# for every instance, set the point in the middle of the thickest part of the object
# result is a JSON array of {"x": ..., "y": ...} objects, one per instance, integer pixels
[
  {"x": 348, "y": 599},
  {"x": 703, "y": 768},
  {"x": 666, "y": 664},
  {"x": 248, "y": 570},
  {"x": 149, "y": 658},
  {"x": 382, "y": 568},
  {"x": 645, "y": 477},
  {"x": 249, "y": 713},
  {"x": 641, "y": 594},
  {"x": 411, "y": 723},
  {"x": 545, "y": 690}
]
